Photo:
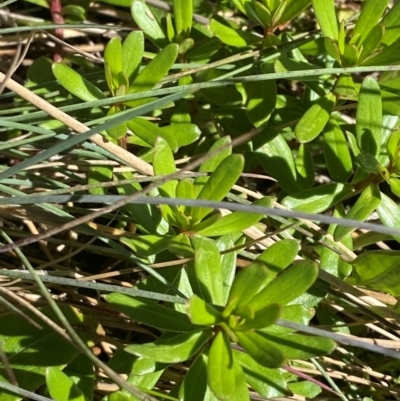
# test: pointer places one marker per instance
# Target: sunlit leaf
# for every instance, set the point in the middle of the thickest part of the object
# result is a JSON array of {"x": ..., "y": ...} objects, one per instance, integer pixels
[
  {"x": 61, "y": 387},
  {"x": 150, "y": 313},
  {"x": 172, "y": 350},
  {"x": 76, "y": 84}
]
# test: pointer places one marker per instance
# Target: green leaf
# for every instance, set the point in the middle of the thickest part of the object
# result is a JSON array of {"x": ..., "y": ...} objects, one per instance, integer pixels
[
  {"x": 330, "y": 260},
  {"x": 350, "y": 55},
  {"x": 327, "y": 17},
  {"x": 389, "y": 213},
  {"x": 279, "y": 256},
  {"x": 230, "y": 36},
  {"x": 296, "y": 346},
  {"x": 132, "y": 54},
  {"x": 315, "y": 118},
  {"x": 336, "y": 152},
  {"x": 182, "y": 134},
  {"x": 369, "y": 117},
  {"x": 365, "y": 205},
  {"x": 194, "y": 383},
  {"x": 150, "y": 313},
  {"x": 222, "y": 369},
  {"x": 287, "y": 286},
  {"x": 372, "y": 42},
  {"x": 269, "y": 383},
  {"x": 219, "y": 184},
  {"x": 369, "y": 17},
  {"x": 61, "y": 387},
  {"x": 81, "y": 371},
  {"x": 289, "y": 10},
  {"x": 261, "y": 350},
  {"x": 183, "y": 13},
  {"x": 263, "y": 14},
  {"x": 220, "y": 150},
  {"x": 180, "y": 245},
  {"x": 176, "y": 349},
  {"x": 345, "y": 88},
  {"x": 319, "y": 199},
  {"x": 391, "y": 23},
  {"x": 378, "y": 270},
  {"x": 31, "y": 350},
  {"x": 276, "y": 158},
  {"x": 156, "y": 69},
  {"x": 99, "y": 174},
  {"x": 146, "y": 21},
  {"x": 207, "y": 266},
  {"x": 392, "y": 146},
  {"x": 292, "y": 313},
  {"x": 148, "y": 217},
  {"x": 76, "y": 84},
  {"x": 147, "y": 245},
  {"x": 305, "y": 388},
  {"x": 395, "y": 186},
  {"x": 247, "y": 284},
  {"x": 262, "y": 318},
  {"x": 149, "y": 132},
  {"x": 368, "y": 163},
  {"x": 201, "y": 312},
  {"x": 236, "y": 221},
  {"x": 261, "y": 100},
  {"x": 117, "y": 131},
  {"x": 164, "y": 164},
  {"x": 113, "y": 57},
  {"x": 387, "y": 56},
  {"x": 305, "y": 165}
]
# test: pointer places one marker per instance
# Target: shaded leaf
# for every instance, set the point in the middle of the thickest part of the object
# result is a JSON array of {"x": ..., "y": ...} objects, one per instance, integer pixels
[
  {"x": 378, "y": 270},
  {"x": 261, "y": 350},
  {"x": 269, "y": 383},
  {"x": 336, "y": 152},
  {"x": 261, "y": 100}
]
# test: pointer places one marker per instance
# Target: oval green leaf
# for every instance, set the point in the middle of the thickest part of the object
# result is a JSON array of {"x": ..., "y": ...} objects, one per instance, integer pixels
[
  {"x": 150, "y": 313},
  {"x": 172, "y": 350},
  {"x": 61, "y": 387},
  {"x": 76, "y": 84},
  {"x": 319, "y": 199},
  {"x": 315, "y": 118}
]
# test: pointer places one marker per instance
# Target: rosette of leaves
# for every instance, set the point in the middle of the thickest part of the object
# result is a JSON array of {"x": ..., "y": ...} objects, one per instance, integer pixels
[
  {"x": 169, "y": 228},
  {"x": 228, "y": 333}
]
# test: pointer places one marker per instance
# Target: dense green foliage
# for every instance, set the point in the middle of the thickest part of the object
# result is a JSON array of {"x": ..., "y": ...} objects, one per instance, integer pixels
[{"x": 234, "y": 301}]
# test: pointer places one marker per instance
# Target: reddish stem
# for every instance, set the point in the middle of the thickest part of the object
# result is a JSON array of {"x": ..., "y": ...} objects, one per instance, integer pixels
[
  {"x": 308, "y": 378},
  {"x": 56, "y": 15}
]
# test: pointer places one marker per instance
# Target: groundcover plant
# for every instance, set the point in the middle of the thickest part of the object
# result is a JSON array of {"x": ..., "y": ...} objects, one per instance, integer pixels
[{"x": 199, "y": 200}]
